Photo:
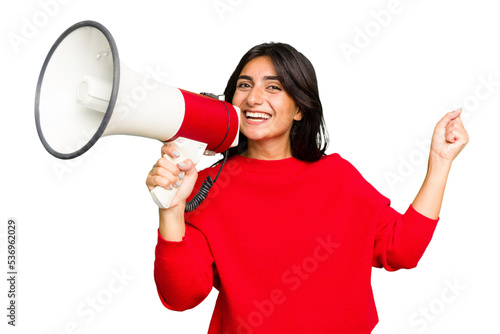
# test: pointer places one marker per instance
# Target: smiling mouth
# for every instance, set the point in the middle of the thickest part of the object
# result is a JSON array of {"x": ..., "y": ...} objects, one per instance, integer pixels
[{"x": 257, "y": 116}]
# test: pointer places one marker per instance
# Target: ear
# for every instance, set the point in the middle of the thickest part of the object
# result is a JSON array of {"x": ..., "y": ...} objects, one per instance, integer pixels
[{"x": 298, "y": 115}]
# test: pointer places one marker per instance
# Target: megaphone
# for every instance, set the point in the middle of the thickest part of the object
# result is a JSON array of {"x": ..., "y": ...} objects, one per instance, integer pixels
[{"x": 85, "y": 92}]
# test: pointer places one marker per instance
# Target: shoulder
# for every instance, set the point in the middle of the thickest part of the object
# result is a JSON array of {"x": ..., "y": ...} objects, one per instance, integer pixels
[
  {"x": 331, "y": 158},
  {"x": 336, "y": 161},
  {"x": 343, "y": 166},
  {"x": 352, "y": 180}
]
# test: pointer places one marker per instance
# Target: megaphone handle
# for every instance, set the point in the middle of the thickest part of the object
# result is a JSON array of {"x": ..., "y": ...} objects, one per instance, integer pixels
[
  {"x": 187, "y": 149},
  {"x": 161, "y": 196}
]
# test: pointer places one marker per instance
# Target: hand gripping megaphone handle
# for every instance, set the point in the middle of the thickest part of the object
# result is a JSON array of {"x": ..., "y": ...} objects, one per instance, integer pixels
[
  {"x": 161, "y": 196},
  {"x": 187, "y": 149}
]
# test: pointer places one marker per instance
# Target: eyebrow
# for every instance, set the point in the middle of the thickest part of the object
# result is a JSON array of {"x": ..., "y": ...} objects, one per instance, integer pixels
[{"x": 266, "y": 78}]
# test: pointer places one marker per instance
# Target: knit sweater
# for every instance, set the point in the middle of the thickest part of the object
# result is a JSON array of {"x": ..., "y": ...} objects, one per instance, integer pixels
[{"x": 290, "y": 246}]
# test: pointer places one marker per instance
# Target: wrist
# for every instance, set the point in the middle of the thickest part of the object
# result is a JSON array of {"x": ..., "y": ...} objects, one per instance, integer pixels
[
  {"x": 438, "y": 164},
  {"x": 172, "y": 226}
]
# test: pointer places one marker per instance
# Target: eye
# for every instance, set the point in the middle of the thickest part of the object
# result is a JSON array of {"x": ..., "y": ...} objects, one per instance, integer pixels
[
  {"x": 274, "y": 87},
  {"x": 243, "y": 85}
]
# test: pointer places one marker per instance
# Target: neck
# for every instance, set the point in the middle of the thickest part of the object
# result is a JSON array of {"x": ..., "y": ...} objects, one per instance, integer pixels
[{"x": 268, "y": 151}]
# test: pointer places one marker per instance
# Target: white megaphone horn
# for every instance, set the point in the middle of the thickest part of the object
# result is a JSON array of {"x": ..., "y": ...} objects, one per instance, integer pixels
[{"x": 84, "y": 92}]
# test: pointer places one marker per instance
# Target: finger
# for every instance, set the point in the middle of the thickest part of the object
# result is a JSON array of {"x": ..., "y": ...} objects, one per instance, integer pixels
[
  {"x": 165, "y": 163},
  {"x": 450, "y": 136},
  {"x": 450, "y": 131},
  {"x": 459, "y": 121},
  {"x": 456, "y": 132},
  {"x": 161, "y": 177},
  {"x": 189, "y": 179},
  {"x": 457, "y": 112},
  {"x": 164, "y": 174},
  {"x": 170, "y": 149},
  {"x": 154, "y": 180},
  {"x": 173, "y": 179},
  {"x": 159, "y": 181},
  {"x": 459, "y": 135},
  {"x": 187, "y": 166},
  {"x": 449, "y": 117}
]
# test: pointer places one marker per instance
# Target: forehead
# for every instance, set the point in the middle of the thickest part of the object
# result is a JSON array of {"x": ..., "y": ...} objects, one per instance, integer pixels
[{"x": 258, "y": 67}]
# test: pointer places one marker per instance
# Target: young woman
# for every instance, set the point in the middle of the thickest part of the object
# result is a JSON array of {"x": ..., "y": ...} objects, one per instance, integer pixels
[{"x": 288, "y": 235}]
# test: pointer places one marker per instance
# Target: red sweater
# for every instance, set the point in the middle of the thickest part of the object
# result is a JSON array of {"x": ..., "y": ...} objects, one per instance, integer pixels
[{"x": 290, "y": 246}]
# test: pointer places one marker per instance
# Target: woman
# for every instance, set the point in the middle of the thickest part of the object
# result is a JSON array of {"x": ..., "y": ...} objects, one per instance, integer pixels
[{"x": 289, "y": 235}]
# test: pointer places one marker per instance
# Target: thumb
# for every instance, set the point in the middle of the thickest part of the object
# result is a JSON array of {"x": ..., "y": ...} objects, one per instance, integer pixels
[
  {"x": 449, "y": 117},
  {"x": 188, "y": 167},
  {"x": 190, "y": 175}
]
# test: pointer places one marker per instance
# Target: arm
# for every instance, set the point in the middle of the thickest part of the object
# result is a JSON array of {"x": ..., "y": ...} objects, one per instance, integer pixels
[
  {"x": 183, "y": 176},
  {"x": 183, "y": 269},
  {"x": 449, "y": 138},
  {"x": 402, "y": 239}
]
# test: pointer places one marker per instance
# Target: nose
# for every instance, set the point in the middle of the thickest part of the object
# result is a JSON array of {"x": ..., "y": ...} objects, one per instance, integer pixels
[{"x": 255, "y": 97}]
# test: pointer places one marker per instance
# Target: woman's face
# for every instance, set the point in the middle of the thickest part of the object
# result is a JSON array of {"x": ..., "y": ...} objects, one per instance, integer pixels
[{"x": 267, "y": 111}]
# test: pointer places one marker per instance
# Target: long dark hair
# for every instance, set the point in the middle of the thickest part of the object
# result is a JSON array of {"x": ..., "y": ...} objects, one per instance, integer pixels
[{"x": 309, "y": 137}]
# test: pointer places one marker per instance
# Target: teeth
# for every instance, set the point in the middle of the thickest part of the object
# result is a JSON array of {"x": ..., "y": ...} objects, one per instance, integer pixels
[{"x": 257, "y": 115}]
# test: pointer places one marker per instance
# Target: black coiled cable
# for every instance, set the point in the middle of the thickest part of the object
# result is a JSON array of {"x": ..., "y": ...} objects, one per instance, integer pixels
[{"x": 204, "y": 188}]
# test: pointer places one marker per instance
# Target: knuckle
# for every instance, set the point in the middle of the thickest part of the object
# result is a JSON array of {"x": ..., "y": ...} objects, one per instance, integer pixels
[
  {"x": 164, "y": 173},
  {"x": 162, "y": 162},
  {"x": 160, "y": 181},
  {"x": 165, "y": 147},
  {"x": 168, "y": 148}
]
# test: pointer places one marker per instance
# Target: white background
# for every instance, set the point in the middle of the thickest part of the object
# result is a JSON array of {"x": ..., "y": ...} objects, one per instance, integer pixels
[{"x": 81, "y": 222}]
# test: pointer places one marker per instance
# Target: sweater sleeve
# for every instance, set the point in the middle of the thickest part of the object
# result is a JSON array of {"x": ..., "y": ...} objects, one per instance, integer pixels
[
  {"x": 401, "y": 240},
  {"x": 183, "y": 271}
]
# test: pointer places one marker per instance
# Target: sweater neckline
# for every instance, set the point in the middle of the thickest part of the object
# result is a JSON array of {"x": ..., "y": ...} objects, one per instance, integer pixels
[{"x": 270, "y": 166}]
